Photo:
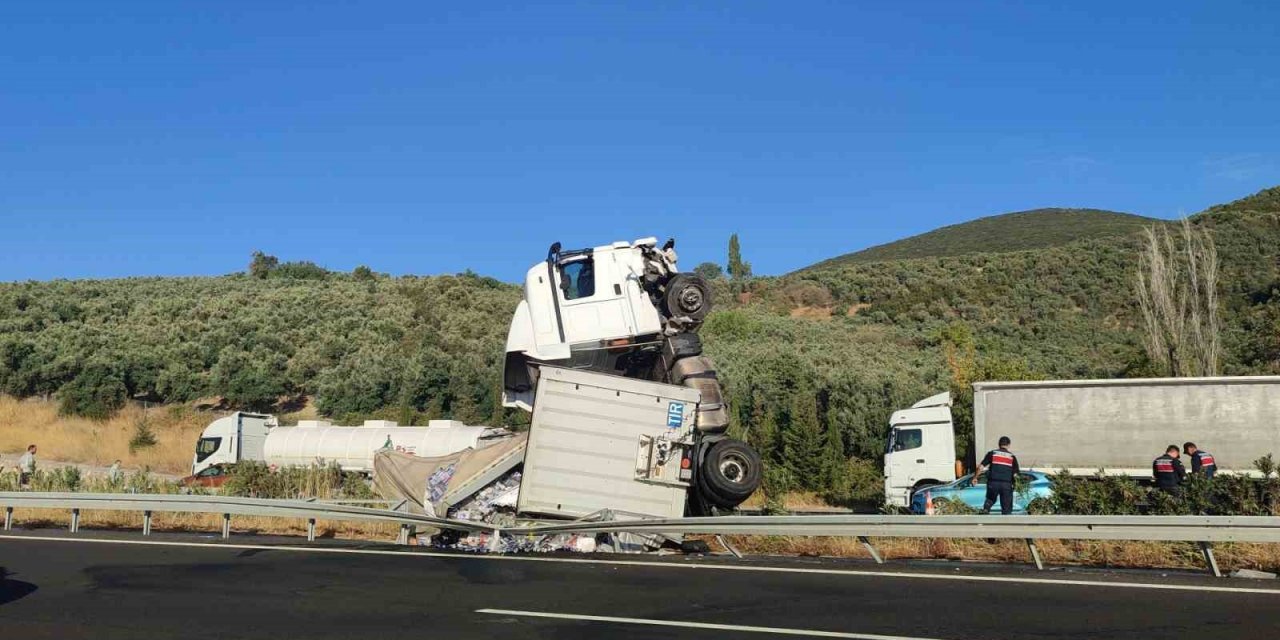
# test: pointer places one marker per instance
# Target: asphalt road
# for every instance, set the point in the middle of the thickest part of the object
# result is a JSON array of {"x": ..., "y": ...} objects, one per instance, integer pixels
[{"x": 57, "y": 586}]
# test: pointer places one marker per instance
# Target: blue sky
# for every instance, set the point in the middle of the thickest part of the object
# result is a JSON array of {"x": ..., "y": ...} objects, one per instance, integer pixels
[{"x": 154, "y": 138}]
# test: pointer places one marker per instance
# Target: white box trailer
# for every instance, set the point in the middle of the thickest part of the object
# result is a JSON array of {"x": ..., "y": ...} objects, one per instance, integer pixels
[
  {"x": 600, "y": 441},
  {"x": 596, "y": 442},
  {"x": 1083, "y": 426}
]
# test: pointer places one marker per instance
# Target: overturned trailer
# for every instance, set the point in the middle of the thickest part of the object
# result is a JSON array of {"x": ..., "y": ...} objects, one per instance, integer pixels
[{"x": 597, "y": 442}]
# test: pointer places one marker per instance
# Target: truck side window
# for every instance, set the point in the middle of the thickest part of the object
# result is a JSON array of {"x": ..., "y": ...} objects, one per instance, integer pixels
[
  {"x": 206, "y": 447},
  {"x": 908, "y": 439},
  {"x": 578, "y": 279}
]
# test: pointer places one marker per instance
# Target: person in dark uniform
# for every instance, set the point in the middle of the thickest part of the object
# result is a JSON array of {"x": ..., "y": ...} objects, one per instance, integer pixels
[
  {"x": 1202, "y": 462},
  {"x": 1168, "y": 471},
  {"x": 1002, "y": 467}
]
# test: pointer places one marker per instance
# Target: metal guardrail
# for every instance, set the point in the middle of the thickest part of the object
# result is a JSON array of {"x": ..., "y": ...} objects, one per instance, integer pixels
[
  {"x": 1165, "y": 528},
  {"x": 227, "y": 506},
  {"x": 1204, "y": 530}
]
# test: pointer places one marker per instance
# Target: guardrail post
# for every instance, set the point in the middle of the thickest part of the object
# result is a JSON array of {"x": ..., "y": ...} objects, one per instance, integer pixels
[
  {"x": 875, "y": 555},
  {"x": 226, "y": 526},
  {"x": 146, "y": 522},
  {"x": 1207, "y": 549},
  {"x": 8, "y": 518},
  {"x": 311, "y": 530},
  {"x": 1035, "y": 553},
  {"x": 75, "y": 520},
  {"x": 724, "y": 542}
]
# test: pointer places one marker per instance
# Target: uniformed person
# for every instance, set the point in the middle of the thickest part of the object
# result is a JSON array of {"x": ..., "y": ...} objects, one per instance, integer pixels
[
  {"x": 1001, "y": 467},
  {"x": 1168, "y": 471},
  {"x": 1202, "y": 462}
]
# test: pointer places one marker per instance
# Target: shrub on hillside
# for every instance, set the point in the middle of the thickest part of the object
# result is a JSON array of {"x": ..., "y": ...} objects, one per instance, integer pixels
[
  {"x": 97, "y": 392},
  {"x": 143, "y": 435}
]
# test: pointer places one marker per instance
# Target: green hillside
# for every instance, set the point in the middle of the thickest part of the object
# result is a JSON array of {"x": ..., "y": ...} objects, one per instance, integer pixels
[
  {"x": 813, "y": 362},
  {"x": 1035, "y": 229}
]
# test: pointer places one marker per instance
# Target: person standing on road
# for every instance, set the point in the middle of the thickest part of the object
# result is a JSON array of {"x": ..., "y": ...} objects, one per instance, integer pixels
[
  {"x": 1168, "y": 471},
  {"x": 26, "y": 467},
  {"x": 1202, "y": 462},
  {"x": 1002, "y": 467}
]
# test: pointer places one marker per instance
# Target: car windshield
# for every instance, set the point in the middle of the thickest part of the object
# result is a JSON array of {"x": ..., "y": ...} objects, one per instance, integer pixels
[{"x": 206, "y": 447}]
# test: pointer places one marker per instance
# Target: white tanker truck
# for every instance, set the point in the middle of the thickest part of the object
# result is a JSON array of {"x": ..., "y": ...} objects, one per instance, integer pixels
[
  {"x": 622, "y": 310},
  {"x": 258, "y": 437}
]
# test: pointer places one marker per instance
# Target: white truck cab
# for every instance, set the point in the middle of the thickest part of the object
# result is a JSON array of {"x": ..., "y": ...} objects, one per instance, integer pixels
[
  {"x": 920, "y": 450},
  {"x": 228, "y": 440},
  {"x": 592, "y": 308}
]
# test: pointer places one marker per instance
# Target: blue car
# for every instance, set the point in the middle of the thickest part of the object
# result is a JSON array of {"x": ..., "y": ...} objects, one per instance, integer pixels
[{"x": 1031, "y": 485}]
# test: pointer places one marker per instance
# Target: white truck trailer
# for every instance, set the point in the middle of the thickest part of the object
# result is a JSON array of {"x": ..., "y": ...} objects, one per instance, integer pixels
[
  {"x": 252, "y": 436},
  {"x": 1083, "y": 426}
]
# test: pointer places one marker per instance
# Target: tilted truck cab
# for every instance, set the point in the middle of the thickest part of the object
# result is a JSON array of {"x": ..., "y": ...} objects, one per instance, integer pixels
[
  {"x": 626, "y": 309},
  {"x": 590, "y": 309}
]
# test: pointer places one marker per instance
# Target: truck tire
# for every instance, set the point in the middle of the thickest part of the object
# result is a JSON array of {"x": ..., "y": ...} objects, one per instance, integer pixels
[
  {"x": 688, "y": 296},
  {"x": 730, "y": 472}
]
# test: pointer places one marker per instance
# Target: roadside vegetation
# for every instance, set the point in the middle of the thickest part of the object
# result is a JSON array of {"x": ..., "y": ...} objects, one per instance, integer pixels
[{"x": 813, "y": 362}]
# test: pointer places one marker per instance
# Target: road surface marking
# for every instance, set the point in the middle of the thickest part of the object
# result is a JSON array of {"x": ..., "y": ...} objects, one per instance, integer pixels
[
  {"x": 812, "y": 633},
  {"x": 666, "y": 565}
]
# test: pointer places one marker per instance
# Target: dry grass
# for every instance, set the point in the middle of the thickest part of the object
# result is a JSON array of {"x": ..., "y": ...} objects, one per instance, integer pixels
[
  {"x": 70, "y": 439},
  {"x": 814, "y": 313},
  {"x": 1170, "y": 555},
  {"x": 793, "y": 501}
]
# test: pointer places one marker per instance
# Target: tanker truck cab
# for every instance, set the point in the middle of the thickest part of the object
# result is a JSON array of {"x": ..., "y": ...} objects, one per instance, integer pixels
[
  {"x": 228, "y": 440},
  {"x": 920, "y": 450}
]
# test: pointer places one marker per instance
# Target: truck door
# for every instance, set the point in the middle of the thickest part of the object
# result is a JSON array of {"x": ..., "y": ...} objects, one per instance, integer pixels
[
  {"x": 591, "y": 299},
  {"x": 905, "y": 456}
]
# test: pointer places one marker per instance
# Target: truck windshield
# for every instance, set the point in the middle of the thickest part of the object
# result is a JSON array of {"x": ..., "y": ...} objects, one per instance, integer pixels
[
  {"x": 904, "y": 439},
  {"x": 206, "y": 447}
]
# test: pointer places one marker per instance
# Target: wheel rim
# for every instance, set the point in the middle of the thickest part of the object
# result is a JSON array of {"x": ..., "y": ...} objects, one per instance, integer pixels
[
  {"x": 690, "y": 299},
  {"x": 734, "y": 467}
]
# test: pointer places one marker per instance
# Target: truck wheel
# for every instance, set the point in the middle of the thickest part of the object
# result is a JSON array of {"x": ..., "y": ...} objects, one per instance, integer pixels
[
  {"x": 688, "y": 295},
  {"x": 730, "y": 473}
]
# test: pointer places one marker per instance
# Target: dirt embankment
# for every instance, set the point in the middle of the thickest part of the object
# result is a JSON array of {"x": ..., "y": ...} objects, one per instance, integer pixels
[{"x": 93, "y": 445}]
